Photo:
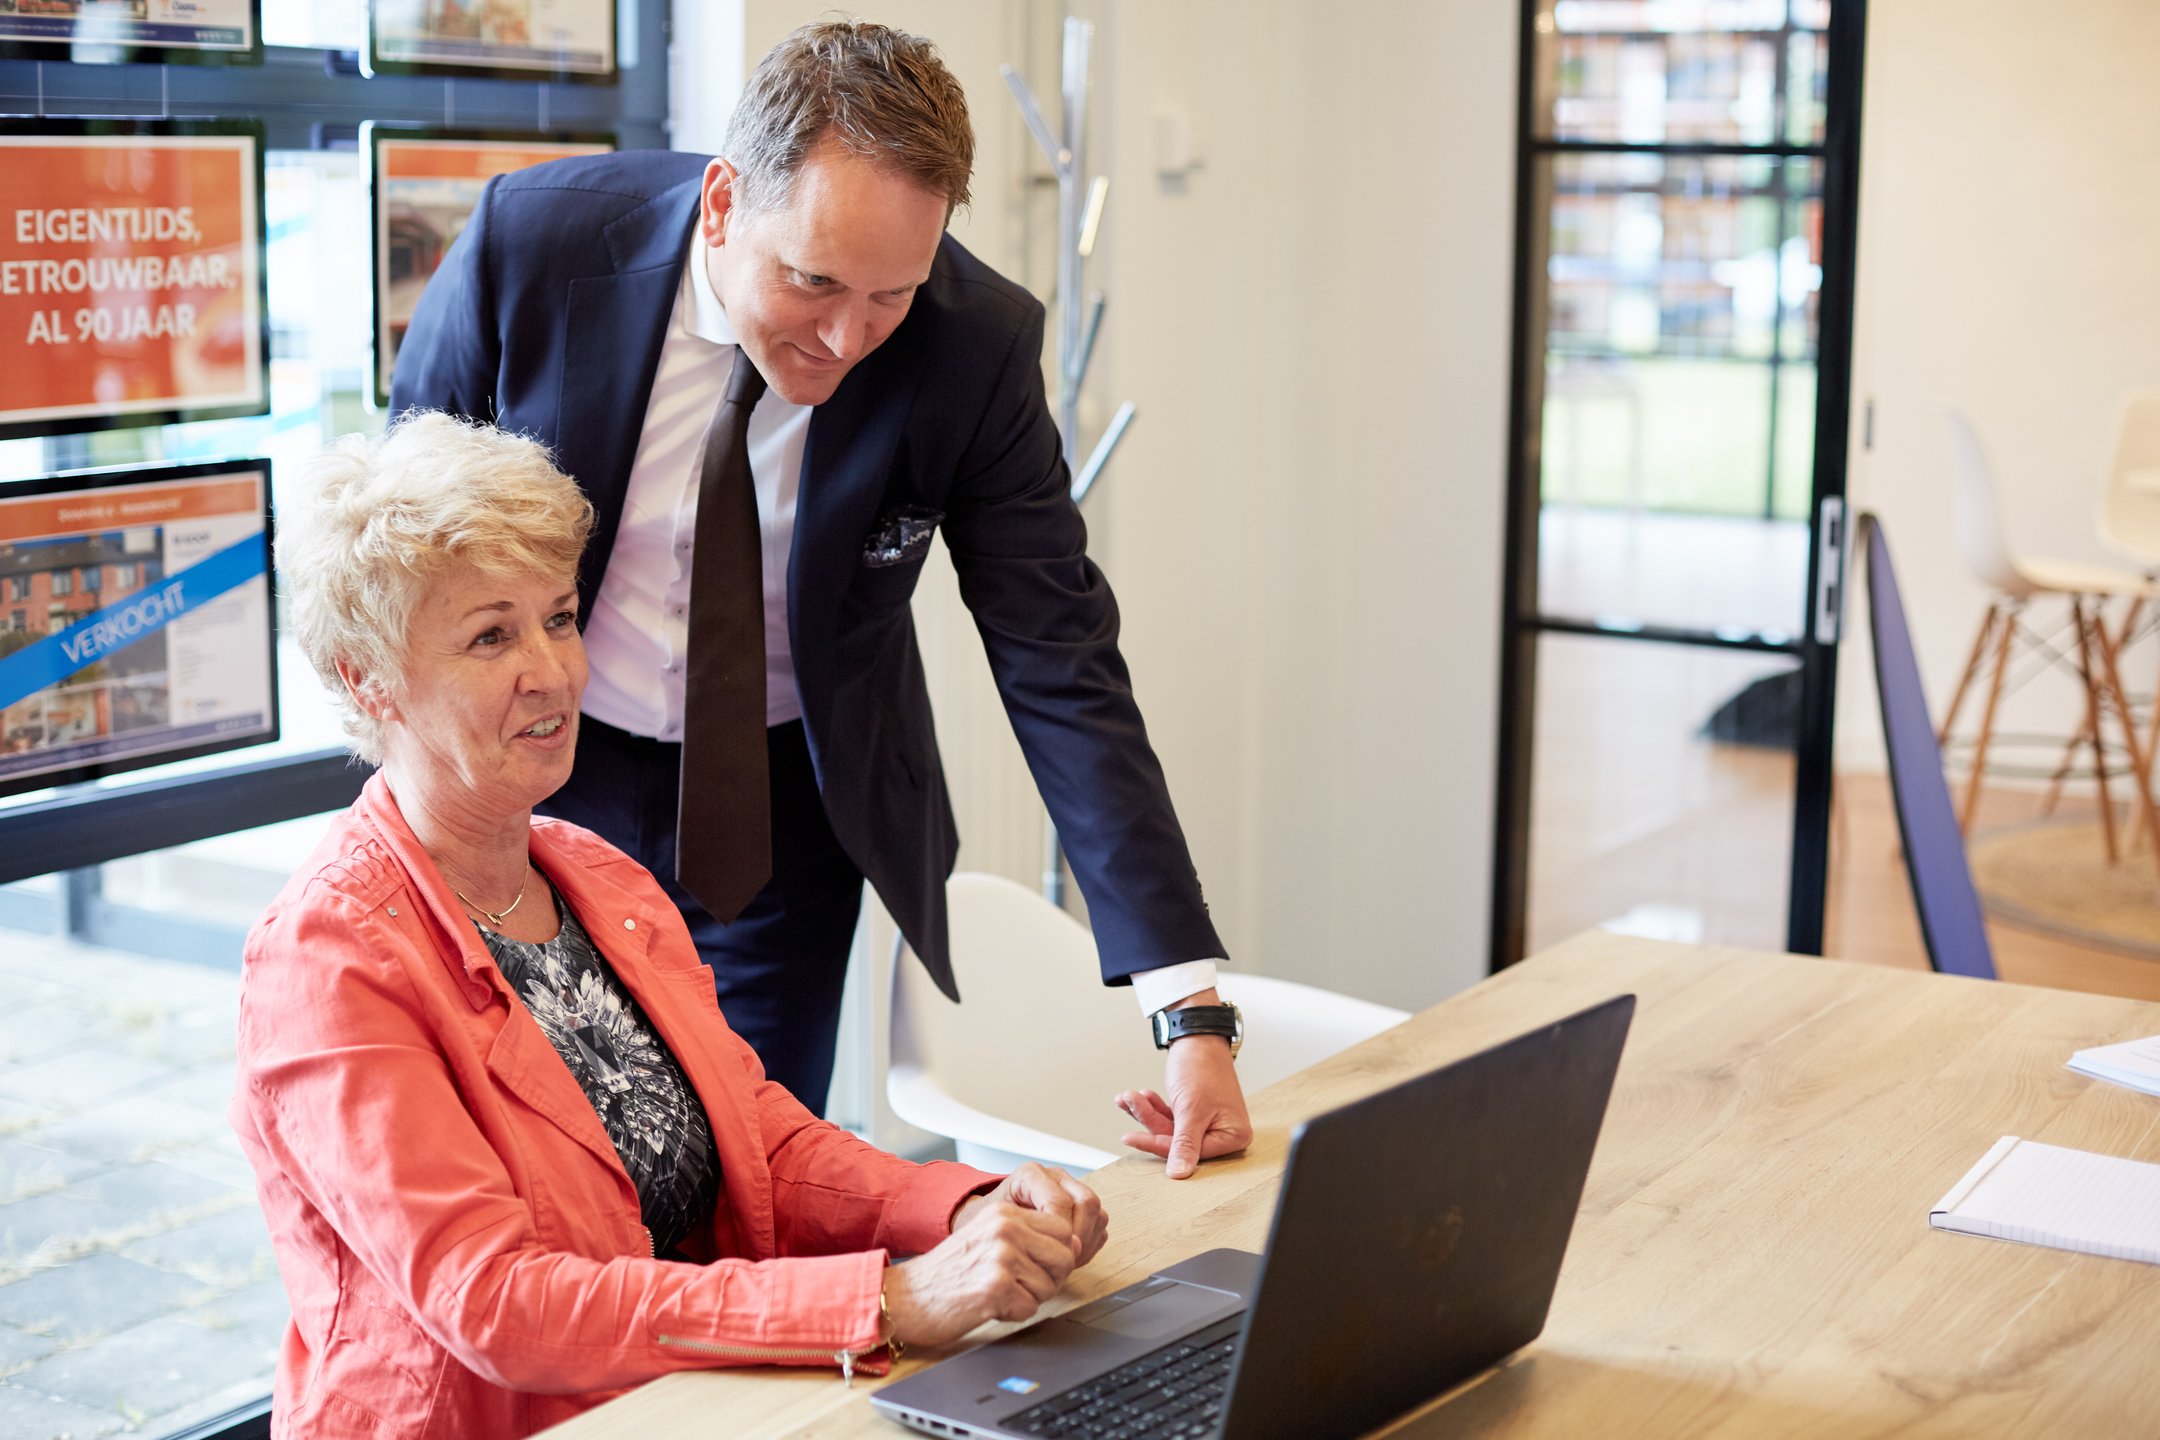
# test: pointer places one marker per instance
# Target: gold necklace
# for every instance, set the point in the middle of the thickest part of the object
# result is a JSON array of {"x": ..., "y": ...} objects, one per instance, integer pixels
[{"x": 496, "y": 917}]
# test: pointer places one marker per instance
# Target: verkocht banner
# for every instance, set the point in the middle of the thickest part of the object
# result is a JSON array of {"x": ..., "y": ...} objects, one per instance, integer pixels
[
  {"x": 427, "y": 183},
  {"x": 135, "y": 622},
  {"x": 131, "y": 288}
]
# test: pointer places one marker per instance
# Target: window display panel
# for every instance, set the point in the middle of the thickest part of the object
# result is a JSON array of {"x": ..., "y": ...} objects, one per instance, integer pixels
[
  {"x": 135, "y": 622},
  {"x": 212, "y": 32},
  {"x": 555, "y": 39},
  {"x": 315, "y": 24},
  {"x": 426, "y": 184},
  {"x": 131, "y": 274}
]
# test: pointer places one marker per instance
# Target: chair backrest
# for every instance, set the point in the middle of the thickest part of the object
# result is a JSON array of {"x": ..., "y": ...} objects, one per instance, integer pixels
[
  {"x": 1040, "y": 1041},
  {"x": 1026, "y": 1068},
  {"x": 1976, "y": 513},
  {"x": 2130, "y": 508},
  {"x": 1951, "y": 920}
]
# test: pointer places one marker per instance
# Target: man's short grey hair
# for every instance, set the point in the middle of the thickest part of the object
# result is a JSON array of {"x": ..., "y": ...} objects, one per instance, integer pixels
[
  {"x": 377, "y": 521},
  {"x": 880, "y": 94}
]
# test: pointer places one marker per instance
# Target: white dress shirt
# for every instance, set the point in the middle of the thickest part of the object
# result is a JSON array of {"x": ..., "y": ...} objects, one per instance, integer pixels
[
  {"x": 639, "y": 632},
  {"x": 640, "y": 626}
]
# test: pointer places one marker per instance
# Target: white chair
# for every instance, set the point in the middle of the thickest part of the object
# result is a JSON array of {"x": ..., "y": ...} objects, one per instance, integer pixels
[
  {"x": 2130, "y": 507},
  {"x": 2130, "y": 518},
  {"x": 2013, "y": 582},
  {"x": 1025, "y": 1068}
]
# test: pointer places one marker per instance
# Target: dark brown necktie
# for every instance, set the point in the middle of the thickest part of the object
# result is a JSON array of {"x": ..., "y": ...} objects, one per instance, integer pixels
[{"x": 723, "y": 823}]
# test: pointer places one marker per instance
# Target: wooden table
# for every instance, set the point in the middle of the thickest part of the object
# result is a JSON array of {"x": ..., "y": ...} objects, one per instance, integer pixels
[{"x": 1753, "y": 1256}]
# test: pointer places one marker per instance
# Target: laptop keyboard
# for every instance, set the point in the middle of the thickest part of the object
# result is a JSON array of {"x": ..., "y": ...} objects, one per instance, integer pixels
[{"x": 1173, "y": 1393}]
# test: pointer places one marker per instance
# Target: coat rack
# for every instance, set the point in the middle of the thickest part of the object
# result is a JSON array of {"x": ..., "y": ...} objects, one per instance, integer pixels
[{"x": 1080, "y": 209}]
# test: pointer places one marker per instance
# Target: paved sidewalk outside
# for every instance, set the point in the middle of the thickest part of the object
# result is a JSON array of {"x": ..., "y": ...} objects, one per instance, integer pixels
[{"x": 137, "y": 1291}]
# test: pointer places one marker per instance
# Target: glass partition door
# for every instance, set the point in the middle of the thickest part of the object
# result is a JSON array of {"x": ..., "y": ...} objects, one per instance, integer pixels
[{"x": 1682, "y": 348}]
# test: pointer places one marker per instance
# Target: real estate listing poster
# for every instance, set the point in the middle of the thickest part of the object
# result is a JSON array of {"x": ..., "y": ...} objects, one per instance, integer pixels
[
  {"x": 135, "y": 620},
  {"x": 552, "y": 39},
  {"x": 425, "y": 185},
  {"x": 131, "y": 274},
  {"x": 197, "y": 32}
]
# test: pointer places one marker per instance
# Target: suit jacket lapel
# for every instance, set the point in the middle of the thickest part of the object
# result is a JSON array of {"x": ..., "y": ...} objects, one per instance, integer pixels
[
  {"x": 613, "y": 328},
  {"x": 847, "y": 459}
]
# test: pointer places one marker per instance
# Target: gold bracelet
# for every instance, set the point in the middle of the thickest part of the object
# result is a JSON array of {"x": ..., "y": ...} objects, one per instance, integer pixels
[{"x": 893, "y": 1344}]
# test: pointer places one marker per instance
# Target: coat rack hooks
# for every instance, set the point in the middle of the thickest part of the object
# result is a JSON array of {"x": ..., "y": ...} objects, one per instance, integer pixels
[{"x": 1080, "y": 312}]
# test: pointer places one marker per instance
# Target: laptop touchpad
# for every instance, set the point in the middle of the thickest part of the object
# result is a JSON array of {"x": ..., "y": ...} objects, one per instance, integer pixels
[{"x": 1166, "y": 1309}]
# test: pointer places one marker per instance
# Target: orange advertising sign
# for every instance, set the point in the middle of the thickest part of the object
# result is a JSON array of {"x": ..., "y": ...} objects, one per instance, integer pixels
[
  {"x": 131, "y": 288},
  {"x": 462, "y": 160}
]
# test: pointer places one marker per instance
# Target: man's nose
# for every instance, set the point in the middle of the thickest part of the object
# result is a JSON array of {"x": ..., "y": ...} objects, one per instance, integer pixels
[{"x": 846, "y": 332}]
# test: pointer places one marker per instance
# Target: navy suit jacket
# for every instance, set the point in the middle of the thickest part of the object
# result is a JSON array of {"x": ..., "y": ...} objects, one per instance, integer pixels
[{"x": 547, "y": 318}]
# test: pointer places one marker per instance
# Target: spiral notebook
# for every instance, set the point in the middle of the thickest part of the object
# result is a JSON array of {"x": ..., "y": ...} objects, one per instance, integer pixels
[{"x": 2048, "y": 1195}]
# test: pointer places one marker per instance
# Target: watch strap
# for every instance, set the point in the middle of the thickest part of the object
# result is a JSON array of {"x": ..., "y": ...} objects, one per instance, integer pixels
[{"x": 1223, "y": 1020}]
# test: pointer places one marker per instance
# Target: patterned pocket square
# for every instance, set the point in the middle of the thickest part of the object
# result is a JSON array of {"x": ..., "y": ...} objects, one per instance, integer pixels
[{"x": 900, "y": 536}]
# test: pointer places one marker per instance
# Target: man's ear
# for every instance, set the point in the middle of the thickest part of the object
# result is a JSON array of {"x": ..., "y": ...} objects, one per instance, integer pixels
[
  {"x": 716, "y": 200},
  {"x": 373, "y": 699}
]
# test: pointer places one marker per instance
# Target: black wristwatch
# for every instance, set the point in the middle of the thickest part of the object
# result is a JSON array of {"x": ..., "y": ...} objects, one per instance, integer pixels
[{"x": 1223, "y": 1020}]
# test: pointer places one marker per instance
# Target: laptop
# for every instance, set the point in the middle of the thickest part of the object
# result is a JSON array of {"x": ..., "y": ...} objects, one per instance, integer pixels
[{"x": 1416, "y": 1241}]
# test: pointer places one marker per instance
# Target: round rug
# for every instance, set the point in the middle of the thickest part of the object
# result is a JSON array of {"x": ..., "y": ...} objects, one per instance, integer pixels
[{"x": 2054, "y": 877}]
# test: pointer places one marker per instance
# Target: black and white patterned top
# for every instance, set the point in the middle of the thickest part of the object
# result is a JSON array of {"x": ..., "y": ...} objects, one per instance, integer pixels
[{"x": 644, "y": 1100}]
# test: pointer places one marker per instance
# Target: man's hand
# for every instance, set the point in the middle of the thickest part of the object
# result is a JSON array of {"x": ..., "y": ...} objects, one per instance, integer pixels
[
  {"x": 1053, "y": 1192},
  {"x": 1205, "y": 1114}
]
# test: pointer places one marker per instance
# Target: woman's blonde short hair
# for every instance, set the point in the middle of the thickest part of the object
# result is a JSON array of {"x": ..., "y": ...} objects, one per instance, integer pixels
[{"x": 378, "y": 520}]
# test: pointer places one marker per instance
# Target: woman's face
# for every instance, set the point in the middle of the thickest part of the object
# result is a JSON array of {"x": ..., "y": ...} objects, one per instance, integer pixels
[{"x": 487, "y": 717}]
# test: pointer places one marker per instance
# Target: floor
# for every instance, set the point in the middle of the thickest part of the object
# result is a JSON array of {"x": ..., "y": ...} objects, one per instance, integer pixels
[
  {"x": 1870, "y": 914},
  {"x": 137, "y": 1294},
  {"x": 1640, "y": 822}
]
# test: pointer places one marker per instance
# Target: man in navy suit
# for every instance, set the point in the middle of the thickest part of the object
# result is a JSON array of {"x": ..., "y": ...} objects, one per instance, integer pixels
[{"x": 602, "y": 305}]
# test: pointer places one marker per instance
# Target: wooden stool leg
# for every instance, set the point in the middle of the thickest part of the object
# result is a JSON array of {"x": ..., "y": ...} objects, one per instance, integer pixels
[
  {"x": 2084, "y": 737},
  {"x": 2152, "y": 724},
  {"x": 2085, "y": 624},
  {"x": 2122, "y": 644},
  {"x": 2140, "y": 760},
  {"x": 1972, "y": 667},
  {"x": 1987, "y": 720}
]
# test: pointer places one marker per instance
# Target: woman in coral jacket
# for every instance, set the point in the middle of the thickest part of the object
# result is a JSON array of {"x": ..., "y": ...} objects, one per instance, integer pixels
[{"x": 512, "y": 1159}]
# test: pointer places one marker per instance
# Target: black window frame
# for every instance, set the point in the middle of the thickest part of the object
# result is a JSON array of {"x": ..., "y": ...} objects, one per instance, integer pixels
[{"x": 307, "y": 99}]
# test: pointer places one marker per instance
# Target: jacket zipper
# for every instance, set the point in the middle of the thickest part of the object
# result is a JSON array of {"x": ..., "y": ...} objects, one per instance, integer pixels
[{"x": 844, "y": 1358}]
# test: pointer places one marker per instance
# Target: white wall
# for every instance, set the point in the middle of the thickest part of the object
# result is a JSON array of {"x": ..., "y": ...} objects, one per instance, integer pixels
[
  {"x": 2009, "y": 264},
  {"x": 1304, "y": 525},
  {"x": 1306, "y": 532}
]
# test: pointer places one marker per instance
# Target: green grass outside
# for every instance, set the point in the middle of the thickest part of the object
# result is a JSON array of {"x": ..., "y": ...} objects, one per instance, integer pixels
[{"x": 1704, "y": 435}]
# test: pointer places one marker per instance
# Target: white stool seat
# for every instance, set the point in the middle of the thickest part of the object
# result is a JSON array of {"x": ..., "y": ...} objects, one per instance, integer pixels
[
  {"x": 2130, "y": 510},
  {"x": 2014, "y": 581},
  {"x": 2084, "y": 577}
]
